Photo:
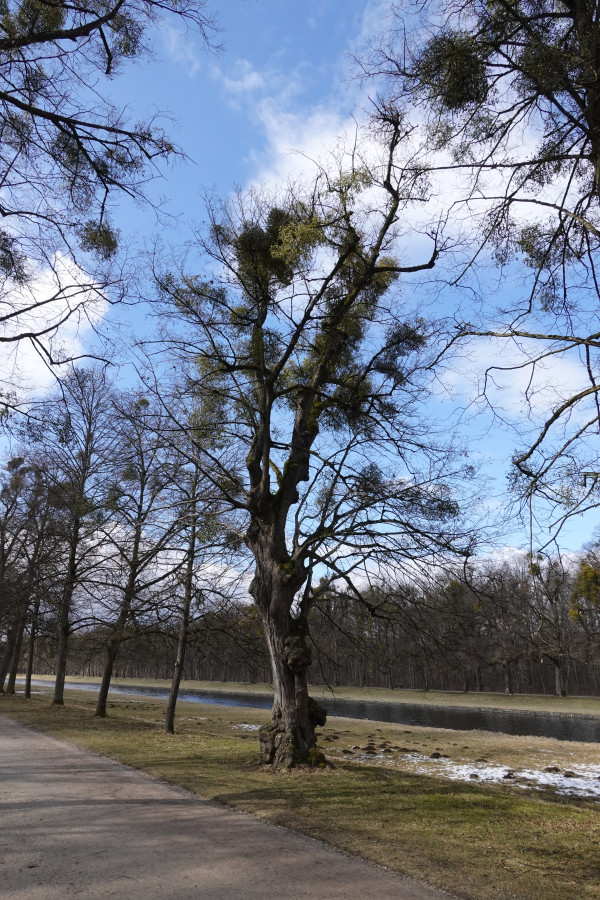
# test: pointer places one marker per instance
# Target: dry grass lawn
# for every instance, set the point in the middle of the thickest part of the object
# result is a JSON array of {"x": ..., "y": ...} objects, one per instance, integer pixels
[{"x": 479, "y": 841}]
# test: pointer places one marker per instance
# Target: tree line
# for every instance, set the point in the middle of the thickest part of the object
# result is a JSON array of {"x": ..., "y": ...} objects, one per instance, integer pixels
[{"x": 99, "y": 576}]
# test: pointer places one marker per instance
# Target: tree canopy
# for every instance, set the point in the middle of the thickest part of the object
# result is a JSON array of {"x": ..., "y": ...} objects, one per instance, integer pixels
[
  {"x": 67, "y": 151},
  {"x": 510, "y": 95}
]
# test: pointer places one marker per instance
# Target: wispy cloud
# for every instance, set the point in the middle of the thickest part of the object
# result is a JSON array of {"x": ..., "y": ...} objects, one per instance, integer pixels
[
  {"x": 241, "y": 78},
  {"x": 179, "y": 49}
]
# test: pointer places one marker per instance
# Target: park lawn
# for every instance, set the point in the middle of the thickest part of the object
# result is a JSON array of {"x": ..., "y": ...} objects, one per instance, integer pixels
[
  {"x": 539, "y": 702},
  {"x": 483, "y": 842}
]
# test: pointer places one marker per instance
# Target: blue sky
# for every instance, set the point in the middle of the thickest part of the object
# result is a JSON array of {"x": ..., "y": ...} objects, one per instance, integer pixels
[
  {"x": 281, "y": 90},
  {"x": 282, "y": 83},
  {"x": 283, "y": 75}
]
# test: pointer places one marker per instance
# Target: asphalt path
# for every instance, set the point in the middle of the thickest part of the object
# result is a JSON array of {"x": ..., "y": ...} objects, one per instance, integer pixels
[{"x": 73, "y": 824}]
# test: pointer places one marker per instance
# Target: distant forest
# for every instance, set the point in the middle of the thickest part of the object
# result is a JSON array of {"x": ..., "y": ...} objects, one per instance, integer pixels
[{"x": 517, "y": 627}]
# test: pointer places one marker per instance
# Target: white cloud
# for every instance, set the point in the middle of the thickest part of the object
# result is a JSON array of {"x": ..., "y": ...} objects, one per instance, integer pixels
[
  {"x": 241, "y": 78},
  {"x": 503, "y": 370},
  {"x": 179, "y": 49},
  {"x": 60, "y": 306}
]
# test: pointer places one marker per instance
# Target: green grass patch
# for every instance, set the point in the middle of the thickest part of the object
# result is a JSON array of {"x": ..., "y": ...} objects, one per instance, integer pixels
[{"x": 478, "y": 841}]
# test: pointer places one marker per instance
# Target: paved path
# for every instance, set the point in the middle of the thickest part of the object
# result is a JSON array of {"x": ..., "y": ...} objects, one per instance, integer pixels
[{"x": 76, "y": 825}]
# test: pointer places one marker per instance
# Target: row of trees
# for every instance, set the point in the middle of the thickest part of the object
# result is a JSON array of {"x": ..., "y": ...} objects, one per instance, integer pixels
[
  {"x": 101, "y": 523},
  {"x": 515, "y": 627}
]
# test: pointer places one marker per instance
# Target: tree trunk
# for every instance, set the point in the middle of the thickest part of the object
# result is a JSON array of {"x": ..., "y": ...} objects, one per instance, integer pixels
[
  {"x": 61, "y": 654},
  {"x": 560, "y": 686},
  {"x": 117, "y": 637},
  {"x": 185, "y": 611},
  {"x": 112, "y": 653},
  {"x": 177, "y": 668},
  {"x": 31, "y": 649},
  {"x": 289, "y": 740},
  {"x": 508, "y": 687},
  {"x": 479, "y": 679},
  {"x": 16, "y": 654},
  {"x": 64, "y": 625},
  {"x": 8, "y": 652}
]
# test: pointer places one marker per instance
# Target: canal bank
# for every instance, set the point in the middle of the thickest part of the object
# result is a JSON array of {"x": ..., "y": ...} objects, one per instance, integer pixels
[{"x": 559, "y": 725}]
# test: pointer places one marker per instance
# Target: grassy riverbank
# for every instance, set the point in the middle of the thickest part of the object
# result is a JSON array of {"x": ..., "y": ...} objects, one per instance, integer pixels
[
  {"x": 539, "y": 702},
  {"x": 480, "y": 841}
]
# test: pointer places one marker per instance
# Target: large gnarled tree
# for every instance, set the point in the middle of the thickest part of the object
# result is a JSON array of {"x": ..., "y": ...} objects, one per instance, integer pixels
[{"x": 301, "y": 335}]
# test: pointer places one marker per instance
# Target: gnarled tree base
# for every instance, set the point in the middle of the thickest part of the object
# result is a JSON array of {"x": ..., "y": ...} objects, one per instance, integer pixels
[{"x": 282, "y": 748}]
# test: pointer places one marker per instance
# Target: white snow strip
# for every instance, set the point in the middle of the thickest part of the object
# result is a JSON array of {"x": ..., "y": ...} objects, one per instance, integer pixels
[{"x": 585, "y": 781}]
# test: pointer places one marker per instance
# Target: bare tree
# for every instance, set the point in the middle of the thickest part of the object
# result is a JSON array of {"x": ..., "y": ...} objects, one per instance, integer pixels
[
  {"x": 510, "y": 94},
  {"x": 77, "y": 434},
  {"x": 301, "y": 336},
  {"x": 141, "y": 523}
]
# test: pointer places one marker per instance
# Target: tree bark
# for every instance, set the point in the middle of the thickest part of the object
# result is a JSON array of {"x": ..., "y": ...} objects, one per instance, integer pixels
[
  {"x": 187, "y": 602},
  {"x": 560, "y": 686},
  {"x": 31, "y": 649},
  {"x": 16, "y": 654},
  {"x": 8, "y": 652},
  {"x": 117, "y": 636},
  {"x": 178, "y": 667},
  {"x": 289, "y": 739},
  {"x": 111, "y": 656},
  {"x": 64, "y": 625},
  {"x": 506, "y": 671}
]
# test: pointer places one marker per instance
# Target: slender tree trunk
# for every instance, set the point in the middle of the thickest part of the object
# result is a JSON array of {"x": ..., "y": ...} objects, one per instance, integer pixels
[
  {"x": 178, "y": 667},
  {"x": 116, "y": 640},
  {"x": 111, "y": 656},
  {"x": 31, "y": 649},
  {"x": 185, "y": 611},
  {"x": 16, "y": 654},
  {"x": 64, "y": 625},
  {"x": 479, "y": 678},
  {"x": 61, "y": 653},
  {"x": 506, "y": 671}
]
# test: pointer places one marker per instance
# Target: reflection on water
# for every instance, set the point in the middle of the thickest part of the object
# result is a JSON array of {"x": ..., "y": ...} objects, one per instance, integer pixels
[{"x": 563, "y": 727}]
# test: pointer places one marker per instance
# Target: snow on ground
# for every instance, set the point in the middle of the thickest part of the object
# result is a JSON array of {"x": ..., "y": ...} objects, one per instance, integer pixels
[
  {"x": 579, "y": 781},
  {"x": 245, "y": 727}
]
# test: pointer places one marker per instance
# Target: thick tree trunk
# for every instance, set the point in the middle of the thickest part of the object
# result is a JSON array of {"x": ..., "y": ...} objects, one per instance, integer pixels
[
  {"x": 560, "y": 682},
  {"x": 289, "y": 739},
  {"x": 7, "y": 656},
  {"x": 16, "y": 654}
]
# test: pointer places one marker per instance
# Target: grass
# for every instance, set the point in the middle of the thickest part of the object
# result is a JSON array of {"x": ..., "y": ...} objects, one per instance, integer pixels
[
  {"x": 540, "y": 702},
  {"x": 481, "y": 842}
]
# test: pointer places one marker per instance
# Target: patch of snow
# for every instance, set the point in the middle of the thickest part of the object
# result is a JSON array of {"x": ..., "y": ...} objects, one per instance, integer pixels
[
  {"x": 585, "y": 781},
  {"x": 245, "y": 727}
]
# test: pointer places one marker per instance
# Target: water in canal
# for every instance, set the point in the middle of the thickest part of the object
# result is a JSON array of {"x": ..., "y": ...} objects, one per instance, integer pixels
[{"x": 559, "y": 725}]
